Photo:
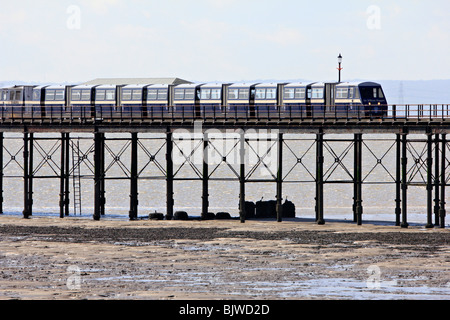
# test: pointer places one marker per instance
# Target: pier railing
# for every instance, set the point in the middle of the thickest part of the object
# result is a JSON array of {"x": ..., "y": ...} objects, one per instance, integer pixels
[{"x": 122, "y": 114}]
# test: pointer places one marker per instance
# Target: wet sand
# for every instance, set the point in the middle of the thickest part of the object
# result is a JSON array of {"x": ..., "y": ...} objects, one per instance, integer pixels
[{"x": 73, "y": 258}]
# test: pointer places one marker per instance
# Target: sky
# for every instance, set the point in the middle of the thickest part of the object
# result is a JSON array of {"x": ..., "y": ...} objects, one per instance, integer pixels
[{"x": 74, "y": 41}]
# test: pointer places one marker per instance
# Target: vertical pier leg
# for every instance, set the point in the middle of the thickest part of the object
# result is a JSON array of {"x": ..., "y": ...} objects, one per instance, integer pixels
[
  {"x": 30, "y": 175},
  {"x": 319, "y": 180},
  {"x": 205, "y": 178},
  {"x": 62, "y": 175},
  {"x": 169, "y": 178},
  {"x": 436, "y": 179},
  {"x": 280, "y": 179},
  {"x": 443, "y": 181},
  {"x": 242, "y": 212},
  {"x": 355, "y": 187},
  {"x": 133, "y": 214},
  {"x": 26, "y": 213},
  {"x": 102, "y": 174},
  {"x": 97, "y": 175},
  {"x": 398, "y": 181},
  {"x": 1, "y": 172},
  {"x": 67, "y": 176},
  {"x": 404, "y": 223},
  {"x": 429, "y": 181},
  {"x": 358, "y": 177}
]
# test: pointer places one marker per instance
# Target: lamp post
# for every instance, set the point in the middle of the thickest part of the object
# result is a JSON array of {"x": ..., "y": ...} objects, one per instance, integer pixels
[{"x": 339, "y": 68}]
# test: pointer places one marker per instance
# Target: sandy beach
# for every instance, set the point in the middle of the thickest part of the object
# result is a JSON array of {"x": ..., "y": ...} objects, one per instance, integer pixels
[{"x": 73, "y": 258}]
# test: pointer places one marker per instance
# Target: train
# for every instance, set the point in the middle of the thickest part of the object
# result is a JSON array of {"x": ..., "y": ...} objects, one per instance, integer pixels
[{"x": 295, "y": 100}]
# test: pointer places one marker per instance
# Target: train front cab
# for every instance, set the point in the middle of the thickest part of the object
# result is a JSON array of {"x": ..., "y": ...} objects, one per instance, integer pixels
[
  {"x": 82, "y": 101},
  {"x": 213, "y": 100},
  {"x": 158, "y": 101},
  {"x": 17, "y": 102},
  {"x": 373, "y": 99},
  {"x": 241, "y": 101},
  {"x": 186, "y": 101},
  {"x": 268, "y": 99}
]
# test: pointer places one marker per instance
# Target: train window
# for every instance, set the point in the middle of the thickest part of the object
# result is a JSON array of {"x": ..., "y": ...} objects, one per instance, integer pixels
[
  {"x": 271, "y": 93},
  {"x": 309, "y": 93},
  {"x": 179, "y": 94},
  {"x": 341, "y": 93},
  {"x": 380, "y": 93},
  {"x": 162, "y": 94},
  {"x": 375, "y": 91},
  {"x": 100, "y": 95},
  {"x": 289, "y": 93},
  {"x": 189, "y": 94},
  {"x": 300, "y": 93},
  {"x": 233, "y": 94},
  {"x": 126, "y": 95},
  {"x": 152, "y": 94},
  {"x": 243, "y": 94},
  {"x": 260, "y": 94},
  {"x": 76, "y": 95},
  {"x": 137, "y": 94},
  {"x": 215, "y": 94},
  {"x": 110, "y": 95},
  {"x": 59, "y": 95},
  {"x": 317, "y": 93},
  {"x": 50, "y": 95},
  {"x": 205, "y": 94},
  {"x": 85, "y": 95}
]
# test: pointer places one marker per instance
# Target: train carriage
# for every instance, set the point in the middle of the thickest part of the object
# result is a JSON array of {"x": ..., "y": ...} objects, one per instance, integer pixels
[
  {"x": 268, "y": 99},
  {"x": 54, "y": 100},
  {"x": 130, "y": 101},
  {"x": 213, "y": 99},
  {"x": 82, "y": 101},
  {"x": 295, "y": 103},
  {"x": 241, "y": 100},
  {"x": 158, "y": 101},
  {"x": 105, "y": 101},
  {"x": 186, "y": 101}
]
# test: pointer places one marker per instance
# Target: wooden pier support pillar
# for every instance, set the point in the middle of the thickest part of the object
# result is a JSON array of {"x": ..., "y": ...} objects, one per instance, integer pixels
[
  {"x": 242, "y": 212},
  {"x": 358, "y": 179},
  {"x": 404, "y": 223},
  {"x": 398, "y": 180},
  {"x": 443, "y": 181},
  {"x": 319, "y": 179},
  {"x": 99, "y": 176},
  {"x": 133, "y": 214},
  {"x": 205, "y": 178},
  {"x": 429, "y": 181},
  {"x": 279, "y": 207},
  {"x": 169, "y": 175}
]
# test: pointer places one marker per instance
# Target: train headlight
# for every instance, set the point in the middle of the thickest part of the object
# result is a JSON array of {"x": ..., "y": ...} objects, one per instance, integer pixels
[{"x": 379, "y": 103}]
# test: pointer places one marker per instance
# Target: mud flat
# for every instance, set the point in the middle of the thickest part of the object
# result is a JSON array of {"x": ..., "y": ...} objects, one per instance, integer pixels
[{"x": 72, "y": 258}]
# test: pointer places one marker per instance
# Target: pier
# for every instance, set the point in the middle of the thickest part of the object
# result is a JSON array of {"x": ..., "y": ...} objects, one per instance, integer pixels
[{"x": 425, "y": 167}]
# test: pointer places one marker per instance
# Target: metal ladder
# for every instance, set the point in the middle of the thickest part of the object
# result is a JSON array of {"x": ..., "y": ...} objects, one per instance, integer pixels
[{"x": 76, "y": 160}]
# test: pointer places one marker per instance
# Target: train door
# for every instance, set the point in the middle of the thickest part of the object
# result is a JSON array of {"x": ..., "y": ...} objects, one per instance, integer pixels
[{"x": 330, "y": 105}]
